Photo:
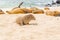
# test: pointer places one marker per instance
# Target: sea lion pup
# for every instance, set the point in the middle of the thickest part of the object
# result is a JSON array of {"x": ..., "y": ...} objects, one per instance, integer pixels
[
  {"x": 16, "y": 11},
  {"x": 25, "y": 19},
  {"x": 38, "y": 12},
  {"x": 1, "y": 12}
]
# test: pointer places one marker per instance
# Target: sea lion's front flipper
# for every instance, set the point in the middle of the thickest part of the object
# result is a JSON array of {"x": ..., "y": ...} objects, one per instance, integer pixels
[{"x": 20, "y": 4}]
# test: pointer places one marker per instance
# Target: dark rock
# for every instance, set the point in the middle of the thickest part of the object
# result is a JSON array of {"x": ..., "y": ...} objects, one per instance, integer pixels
[{"x": 58, "y": 1}]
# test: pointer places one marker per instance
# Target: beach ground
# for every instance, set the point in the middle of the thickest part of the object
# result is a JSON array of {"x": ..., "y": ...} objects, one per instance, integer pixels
[{"x": 43, "y": 28}]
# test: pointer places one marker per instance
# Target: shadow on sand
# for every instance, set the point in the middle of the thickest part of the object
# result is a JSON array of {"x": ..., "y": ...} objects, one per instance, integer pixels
[{"x": 33, "y": 24}]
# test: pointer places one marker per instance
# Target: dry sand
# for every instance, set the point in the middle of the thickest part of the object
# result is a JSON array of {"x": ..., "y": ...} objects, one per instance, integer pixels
[{"x": 43, "y": 28}]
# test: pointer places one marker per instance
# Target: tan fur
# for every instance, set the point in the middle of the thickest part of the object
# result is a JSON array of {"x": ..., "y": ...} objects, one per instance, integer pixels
[
  {"x": 15, "y": 11},
  {"x": 19, "y": 10},
  {"x": 52, "y": 13},
  {"x": 26, "y": 10},
  {"x": 15, "y": 8},
  {"x": 46, "y": 8},
  {"x": 1, "y": 12},
  {"x": 25, "y": 19},
  {"x": 30, "y": 10},
  {"x": 38, "y": 12},
  {"x": 34, "y": 8},
  {"x": 56, "y": 13}
]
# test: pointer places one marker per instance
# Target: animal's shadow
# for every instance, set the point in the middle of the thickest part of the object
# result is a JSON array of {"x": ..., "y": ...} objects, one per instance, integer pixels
[
  {"x": 30, "y": 24},
  {"x": 33, "y": 24}
]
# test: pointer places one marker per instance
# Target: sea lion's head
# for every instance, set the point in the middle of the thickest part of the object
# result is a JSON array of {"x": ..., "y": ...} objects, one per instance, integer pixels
[
  {"x": 1, "y": 12},
  {"x": 31, "y": 17}
]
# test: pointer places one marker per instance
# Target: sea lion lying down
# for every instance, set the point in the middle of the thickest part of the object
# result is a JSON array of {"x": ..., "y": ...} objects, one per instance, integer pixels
[
  {"x": 25, "y": 10},
  {"x": 1, "y": 12},
  {"x": 15, "y": 11},
  {"x": 29, "y": 10},
  {"x": 25, "y": 19},
  {"x": 50, "y": 13},
  {"x": 53, "y": 13},
  {"x": 19, "y": 10},
  {"x": 38, "y": 11}
]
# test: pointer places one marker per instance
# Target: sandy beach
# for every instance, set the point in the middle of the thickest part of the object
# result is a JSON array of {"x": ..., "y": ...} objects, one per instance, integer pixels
[{"x": 43, "y": 28}]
